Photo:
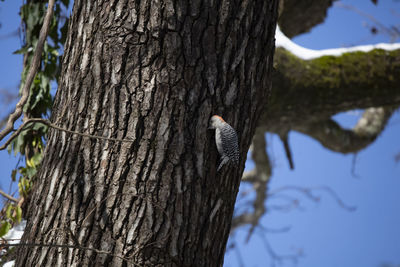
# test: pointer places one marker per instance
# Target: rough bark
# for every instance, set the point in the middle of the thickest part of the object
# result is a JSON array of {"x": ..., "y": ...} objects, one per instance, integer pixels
[{"x": 153, "y": 72}]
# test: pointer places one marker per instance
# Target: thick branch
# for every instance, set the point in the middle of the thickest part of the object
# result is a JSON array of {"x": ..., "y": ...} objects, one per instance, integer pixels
[
  {"x": 301, "y": 16},
  {"x": 308, "y": 90},
  {"x": 332, "y": 136}
]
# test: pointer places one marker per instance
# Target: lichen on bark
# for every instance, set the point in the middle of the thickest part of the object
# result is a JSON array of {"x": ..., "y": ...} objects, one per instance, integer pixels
[{"x": 311, "y": 89}]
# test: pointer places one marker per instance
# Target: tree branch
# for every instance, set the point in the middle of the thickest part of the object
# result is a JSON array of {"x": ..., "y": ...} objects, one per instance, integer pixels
[
  {"x": 301, "y": 16},
  {"x": 32, "y": 72},
  {"x": 285, "y": 140},
  {"x": 9, "y": 197},
  {"x": 308, "y": 192},
  {"x": 311, "y": 90},
  {"x": 332, "y": 136},
  {"x": 277, "y": 258}
]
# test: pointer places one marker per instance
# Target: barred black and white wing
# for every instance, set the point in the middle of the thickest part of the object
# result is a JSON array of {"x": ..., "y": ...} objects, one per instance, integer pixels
[{"x": 229, "y": 141}]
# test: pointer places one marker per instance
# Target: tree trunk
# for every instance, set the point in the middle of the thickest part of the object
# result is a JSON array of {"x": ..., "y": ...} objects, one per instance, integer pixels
[{"x": 153, "y": 72}]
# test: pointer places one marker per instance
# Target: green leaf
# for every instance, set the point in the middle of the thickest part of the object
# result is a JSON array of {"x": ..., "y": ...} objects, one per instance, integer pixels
[
  {"x": 19, "y": 143},
  {"x": 20, "y": 188},
  {"x": 4, "y": 228},
  {"x": 40, "y": 127},
  {"x": 36, "y": 159},
  {"x": 22, "y": 171},
  {"x": 30, "y": 172},
  {"x": 8, "y": 211},
  {"x": 24, "y": 185},
  {"x": 23, "y": 50},
  {"x": 18, "y": 212},
  {"x": 10, "y": 148}
]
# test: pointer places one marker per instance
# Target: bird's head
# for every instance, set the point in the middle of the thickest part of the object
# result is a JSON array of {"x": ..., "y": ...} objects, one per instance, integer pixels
[{"x": 215, "y": 121}]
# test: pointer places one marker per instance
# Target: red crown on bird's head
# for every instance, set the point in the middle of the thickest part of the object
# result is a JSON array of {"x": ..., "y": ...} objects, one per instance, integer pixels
[{"x": 219, "y": 117}]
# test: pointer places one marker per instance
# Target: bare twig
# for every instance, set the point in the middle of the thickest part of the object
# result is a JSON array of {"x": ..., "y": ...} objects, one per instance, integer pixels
[
  {"x": 390, "y": 31},
  {"x": 233, "y": 246},
  {"x": 11, "y": 198},
  {"x": 32, "y": 72},
  {"x": 49, "y": 124},
  {"x": 292, "y": 203},
  {"x": 275, "y": 256},
  {"x": 308, "y": 192},
  {"x": 285, "y": 140},
  {"x": 274, "y": 231},
  {"x": 239, "y": 256}
]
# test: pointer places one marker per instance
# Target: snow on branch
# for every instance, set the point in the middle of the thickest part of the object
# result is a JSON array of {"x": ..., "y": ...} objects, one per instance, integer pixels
[{"x": 306, "y": 54}]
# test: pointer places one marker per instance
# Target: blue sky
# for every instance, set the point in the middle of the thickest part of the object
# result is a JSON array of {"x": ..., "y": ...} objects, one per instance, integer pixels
[{"x": 327, "y": 234}]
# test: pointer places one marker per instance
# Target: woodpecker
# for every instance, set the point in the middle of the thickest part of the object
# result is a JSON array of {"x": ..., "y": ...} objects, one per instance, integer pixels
[{"x": 226, "y": 140}]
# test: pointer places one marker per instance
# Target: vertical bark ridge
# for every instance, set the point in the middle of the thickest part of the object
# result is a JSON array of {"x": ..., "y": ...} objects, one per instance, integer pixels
[{"x": 153, "y": 72}]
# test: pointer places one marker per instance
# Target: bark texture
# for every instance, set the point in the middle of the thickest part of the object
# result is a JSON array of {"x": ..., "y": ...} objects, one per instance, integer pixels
[{"x": 153, "y": 72}]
